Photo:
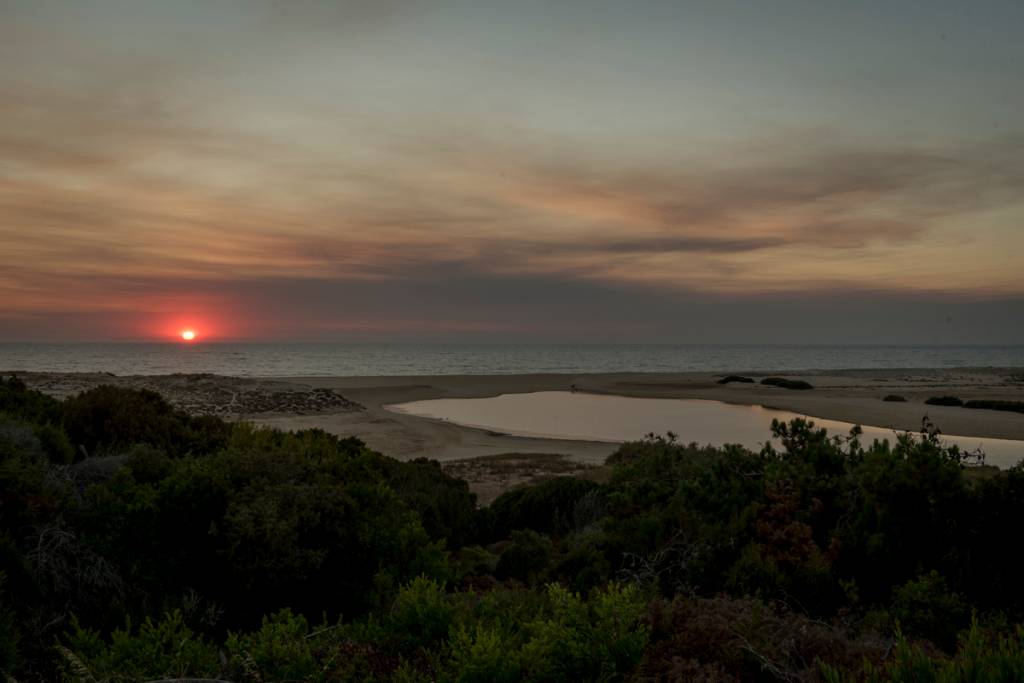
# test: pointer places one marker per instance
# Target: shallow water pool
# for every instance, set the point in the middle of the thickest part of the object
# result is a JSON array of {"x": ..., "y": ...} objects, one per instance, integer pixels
[{"x": 591, "y": 417}]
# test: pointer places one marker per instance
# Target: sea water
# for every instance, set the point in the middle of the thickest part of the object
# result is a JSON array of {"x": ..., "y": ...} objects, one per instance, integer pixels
[{"x": 363, "y": 359}]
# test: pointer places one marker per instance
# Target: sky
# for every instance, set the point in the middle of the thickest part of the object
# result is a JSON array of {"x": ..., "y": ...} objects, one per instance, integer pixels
[{"x": 574, "y": 171}]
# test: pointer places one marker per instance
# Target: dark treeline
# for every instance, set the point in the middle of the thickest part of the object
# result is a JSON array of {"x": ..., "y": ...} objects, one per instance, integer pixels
[{"x": 140, "y": 543}]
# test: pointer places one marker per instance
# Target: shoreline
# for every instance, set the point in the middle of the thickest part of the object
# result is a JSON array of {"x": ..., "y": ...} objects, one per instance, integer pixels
[
  {"x": 849, "y": 396},
  {"x": 853, "y": 396}
]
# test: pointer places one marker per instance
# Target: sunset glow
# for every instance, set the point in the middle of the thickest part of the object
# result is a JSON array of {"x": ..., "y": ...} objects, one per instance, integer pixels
[
  {"x": 188, "y": 335},
  {"x": 688, "y": 172}
]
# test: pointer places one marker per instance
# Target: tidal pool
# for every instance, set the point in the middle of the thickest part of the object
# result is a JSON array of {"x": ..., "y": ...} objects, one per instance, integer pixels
[{"x": 591, "y": 417}]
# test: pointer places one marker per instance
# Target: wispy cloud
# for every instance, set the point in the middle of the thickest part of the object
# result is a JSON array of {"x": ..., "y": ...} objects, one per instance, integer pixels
[{"x": 137, "y": 179}]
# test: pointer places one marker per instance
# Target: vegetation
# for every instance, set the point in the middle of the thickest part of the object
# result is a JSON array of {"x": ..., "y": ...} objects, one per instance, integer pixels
[
  {"x": 894, "y": 398},
  {"x": 172, "y": 547},
  {"x": 787, "y": 383},
  {"x": 736, "y": 378},
  {"x": 945, "y": 401},
  {"x": 984, "y": 404}
]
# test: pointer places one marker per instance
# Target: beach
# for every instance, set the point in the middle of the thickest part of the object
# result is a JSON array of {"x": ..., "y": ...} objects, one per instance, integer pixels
[{"x": 359, "y": 406}]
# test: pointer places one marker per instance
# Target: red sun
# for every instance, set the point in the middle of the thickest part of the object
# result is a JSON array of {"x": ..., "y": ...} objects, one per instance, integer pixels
[{"x": 188, "y": 335}]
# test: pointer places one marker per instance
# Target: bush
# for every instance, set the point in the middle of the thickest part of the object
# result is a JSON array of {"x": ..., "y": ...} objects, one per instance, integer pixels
[
  {"x": 984, "y": 404},
  {"x": 926, "y": 607},
  {"x": 548, "y": 507},
  {"x": 420, "y": 616},
  {"x": 105, "y": 419},
  {"x": 981, "y": 658},
  {"x": 279, "y": 651},
  {"x": 17, "y": 400},
  {"x": 787, "y": 383},
  {"x": 163, "y": 649},
  {"x": 894, "y": 398},
  {"x": 945, "y": 401},
  {"x": 445, "y": 505},
  {"x": 527, "y": 556},
  {"x": 601, "y": 639},
  {"x": 736, "y": 378}
]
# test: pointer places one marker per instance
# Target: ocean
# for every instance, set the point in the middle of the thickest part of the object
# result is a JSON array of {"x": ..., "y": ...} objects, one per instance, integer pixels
[{"x": 358, "y": 359}]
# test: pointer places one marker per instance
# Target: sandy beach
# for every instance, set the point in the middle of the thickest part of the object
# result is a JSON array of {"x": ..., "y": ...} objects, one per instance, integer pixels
[
  {"x": 358, "y": 405},
  {"x": 493, "y": 462}
]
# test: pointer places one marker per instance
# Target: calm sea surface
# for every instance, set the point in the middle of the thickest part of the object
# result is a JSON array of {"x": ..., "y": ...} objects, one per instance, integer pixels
[{"x": 269, "y": 360}]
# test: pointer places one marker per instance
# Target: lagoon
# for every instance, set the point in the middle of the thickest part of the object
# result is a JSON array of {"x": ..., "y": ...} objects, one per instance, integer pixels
[{"x": 598, "y": 417}]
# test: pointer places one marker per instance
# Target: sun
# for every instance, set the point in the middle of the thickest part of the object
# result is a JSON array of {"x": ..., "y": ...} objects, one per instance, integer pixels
[{"x": 188, "y": 335}]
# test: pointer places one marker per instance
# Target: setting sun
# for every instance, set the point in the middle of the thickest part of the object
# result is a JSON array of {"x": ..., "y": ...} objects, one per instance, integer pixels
[{"x": 188, "y": 335}]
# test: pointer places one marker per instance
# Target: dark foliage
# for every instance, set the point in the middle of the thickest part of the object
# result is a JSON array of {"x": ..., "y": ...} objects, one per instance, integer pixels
[
  {"x": 894, "y": 398},
  {"x": 736, "y": 378},
  {"x": 206, "y": 549},
  {"x": 985, "y": 404},
  {"x": 549, "y": 507},
  {"x": 784, "y": 383},
  {"x": 107, "y": 419},
  {"x": 944, "y": 401}
]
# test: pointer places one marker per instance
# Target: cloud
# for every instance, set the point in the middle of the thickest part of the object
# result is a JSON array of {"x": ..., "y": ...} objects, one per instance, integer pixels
[{"x": 150, "y": 191}]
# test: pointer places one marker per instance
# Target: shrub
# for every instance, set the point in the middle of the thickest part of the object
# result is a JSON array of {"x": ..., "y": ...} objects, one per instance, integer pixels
[
  {"x": 601, "y": 639},
  {"x": 480, "y": 655},
  {"x": 926, "y": 607},
  {"x": 985, "y": 404},
  {"x": 279, "y": 650},
  {"x": 17, "y": 400},
  {"x": 445, "y": 505},
  {"x": 527, "y": 557},
  {"x": 981, "y": 658},
  {"x": 895, "y": 398},
  {"x": 163, "y": 649},
  {"x": 9, "y": 632},
  {"x": 420, "y": 616},
  {"x": 107, "y": 418},
  {"x": 736, "y": 378},
  {"x": 787, "y": 383},
  {"x": 548, "y": 507},
  {"x": 731, "y": 639},
  {"x": 945, "y": 401}
]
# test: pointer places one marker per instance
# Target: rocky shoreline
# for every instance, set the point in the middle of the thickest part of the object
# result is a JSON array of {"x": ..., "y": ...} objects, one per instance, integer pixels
[{"x": 205, "y": 394}]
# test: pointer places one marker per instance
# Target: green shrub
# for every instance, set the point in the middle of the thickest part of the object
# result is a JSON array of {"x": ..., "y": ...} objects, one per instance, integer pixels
[
  {"x": 420, "y": 616},
  {"x": 18, "y": 401},
  {"x": 601, "y": 639},
  {"x": 445, "y": 505},
  {"x": 479, "y": 654},
  {"x": 547, "y": 507},
  {"x": 981, "y": 658},
  {"x": 106, "y": 419},
  {"x": 163, "y": 649},
  {"x": 280, "y": 650},
  {"x": 926, "y": 607},
  {"x": 526, "y": 557}
]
